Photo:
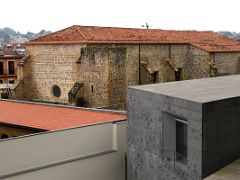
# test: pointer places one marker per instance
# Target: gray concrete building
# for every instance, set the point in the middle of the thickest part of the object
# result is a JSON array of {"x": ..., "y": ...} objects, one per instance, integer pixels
[{"x": 183, "y": 130}]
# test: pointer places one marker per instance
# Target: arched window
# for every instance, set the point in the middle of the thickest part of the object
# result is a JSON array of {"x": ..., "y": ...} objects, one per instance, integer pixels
[
  {"x": 56, "y": 91},
  {"x": 4, "y": 136}
]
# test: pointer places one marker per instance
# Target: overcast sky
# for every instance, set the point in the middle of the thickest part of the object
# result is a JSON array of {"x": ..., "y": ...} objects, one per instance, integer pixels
[{"x": 34, "y": 15}]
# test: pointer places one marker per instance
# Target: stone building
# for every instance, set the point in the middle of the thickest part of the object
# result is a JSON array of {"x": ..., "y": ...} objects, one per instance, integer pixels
[{"x": 98, "y": 63}]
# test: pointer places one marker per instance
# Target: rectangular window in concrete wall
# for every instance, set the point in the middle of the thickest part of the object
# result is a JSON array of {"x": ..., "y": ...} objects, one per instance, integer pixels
[
  {"x": 175, "y": 140},
  {"x": 181, "y": 142}
]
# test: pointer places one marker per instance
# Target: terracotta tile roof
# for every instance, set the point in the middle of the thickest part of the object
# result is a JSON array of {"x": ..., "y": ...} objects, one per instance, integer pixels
[
  {"x": 10, "y": 52},
  {"x": 207, "y": 40},
  {"x": 51, "y": 117}
]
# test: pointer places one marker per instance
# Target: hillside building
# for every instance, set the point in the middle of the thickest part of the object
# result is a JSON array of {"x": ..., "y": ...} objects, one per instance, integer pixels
[{"x": 9, "y": 61}]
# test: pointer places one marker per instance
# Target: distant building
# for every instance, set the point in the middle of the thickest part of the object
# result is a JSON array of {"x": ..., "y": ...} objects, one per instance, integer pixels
[
  {"x": 9, "y": 61},
  {"x": 183, "y": 130},
  {"x": 11, "y": 58},
  {"x": 98, "y": 63}
]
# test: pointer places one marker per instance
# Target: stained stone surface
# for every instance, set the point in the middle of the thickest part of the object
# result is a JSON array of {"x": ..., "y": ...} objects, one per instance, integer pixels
[{"x": 212, "y": 109}]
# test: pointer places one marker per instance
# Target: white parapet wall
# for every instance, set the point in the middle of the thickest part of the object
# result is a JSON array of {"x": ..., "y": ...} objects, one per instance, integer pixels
[{"x": 94, "y": 152}]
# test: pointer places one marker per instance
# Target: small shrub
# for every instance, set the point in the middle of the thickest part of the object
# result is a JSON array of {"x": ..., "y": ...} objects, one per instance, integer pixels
[
  {"x": 4, "y": 96},
  {"x": 81, "y": 102}
]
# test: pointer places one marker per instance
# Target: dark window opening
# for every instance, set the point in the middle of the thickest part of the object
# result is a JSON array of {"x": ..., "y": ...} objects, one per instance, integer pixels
[
  {"x": 155, "y": 77},
  {"x": 178, "y": 74},
  {"x": 1, "y": 81},
  {"x": 1, "y": 68},
  {"x": 10, "y": 67},
  {"x": 92, "y": 88},
  {"x": 11, "y": 81},
  {"x": 181, "y": 142},
  {"x": 4, "y": 136},
  {"x": 4, "y": 96},
  {"x": 56, "y": 91}
]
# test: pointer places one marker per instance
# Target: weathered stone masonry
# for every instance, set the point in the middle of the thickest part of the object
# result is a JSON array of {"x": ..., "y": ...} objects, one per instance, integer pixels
[
  {"x": 107, "y": 70},
  {"x": 98, "y": 63}
]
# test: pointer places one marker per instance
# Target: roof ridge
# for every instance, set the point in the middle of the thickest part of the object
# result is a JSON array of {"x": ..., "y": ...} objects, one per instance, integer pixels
[
  {"x": 79, "y": 32},
  {"x": 140, "y": 28},
  {"x": 46, "y": 35}
]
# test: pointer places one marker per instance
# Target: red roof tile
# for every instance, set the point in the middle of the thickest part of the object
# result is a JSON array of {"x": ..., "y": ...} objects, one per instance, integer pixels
[
  {"x": 52, "y": 117},
  {"x": 207, "y": 40},
  {"x": 10, "y": 52}
]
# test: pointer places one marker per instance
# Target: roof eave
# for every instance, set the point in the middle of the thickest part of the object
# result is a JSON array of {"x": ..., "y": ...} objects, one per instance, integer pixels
[
  {"x": 103, "y": 42},
  {"x": 126, "y": 42},
  {"x": 225, "y": 51},
  {"x": 24, "y": 127}
]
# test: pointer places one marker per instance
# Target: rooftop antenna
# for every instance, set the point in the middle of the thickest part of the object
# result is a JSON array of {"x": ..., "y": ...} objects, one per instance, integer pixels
[{"x": 146, "y": 25}]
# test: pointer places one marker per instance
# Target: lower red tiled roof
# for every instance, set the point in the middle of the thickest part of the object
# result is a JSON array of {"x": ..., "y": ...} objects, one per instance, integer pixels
[
  {"x": 207, "y": 40},
  {"x": 10, "y": 52},
  {"x": 52, "y": 117}
]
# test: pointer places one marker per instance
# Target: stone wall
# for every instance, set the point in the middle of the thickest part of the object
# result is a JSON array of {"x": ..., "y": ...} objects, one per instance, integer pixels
[
  {"x": 48, "y": 66},
  {"x": 92, "y": 70},
  {"x": 177, "y": 58},
  {"x": 132, "y": 65},
  {"x": 154, "y": 56},
  {"x": 197, "y": 64},
  {"x": 102, "y": 69},
  {"x": 162, "y": 59},
  {"x": 227, "y": 63},
  {"x": 14, "y": 131},
  {"x": 117, "y": 77},
  {"x": 107, "y": 70}
]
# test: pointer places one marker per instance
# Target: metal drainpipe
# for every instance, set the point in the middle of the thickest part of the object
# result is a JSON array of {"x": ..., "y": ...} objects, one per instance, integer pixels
[
  {"x": 169, "y": 52},
  {"x": 212, "y": 55},
  {"x": 139, "y": 63},
  {"x": 214, "y": 65}
]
